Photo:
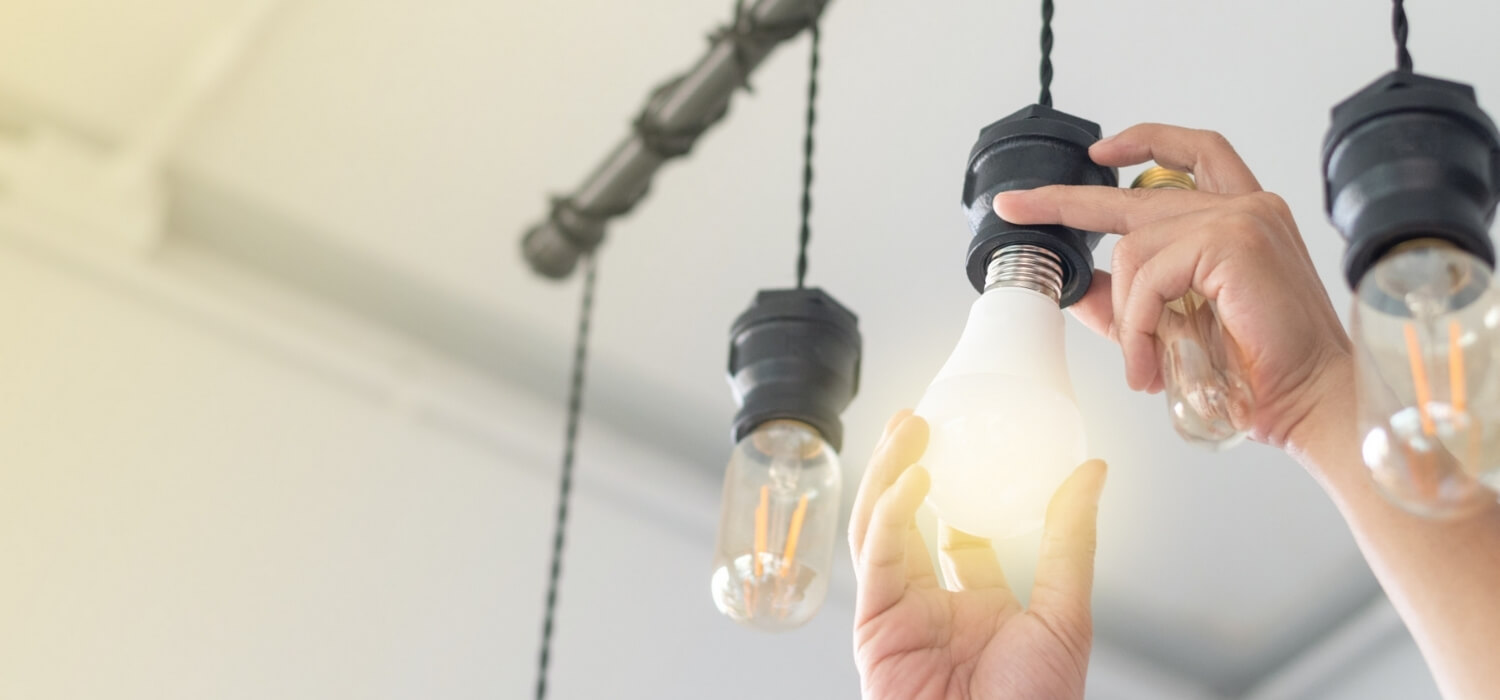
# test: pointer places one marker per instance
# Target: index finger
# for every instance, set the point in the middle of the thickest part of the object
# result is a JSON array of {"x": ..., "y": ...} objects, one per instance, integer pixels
[
  {"x": 1206, "y": 154},
  {"x": 1098, "y": 208}
]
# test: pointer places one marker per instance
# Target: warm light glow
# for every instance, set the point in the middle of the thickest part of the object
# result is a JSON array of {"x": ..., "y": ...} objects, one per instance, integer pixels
[{"x": 1005, "y": 429}]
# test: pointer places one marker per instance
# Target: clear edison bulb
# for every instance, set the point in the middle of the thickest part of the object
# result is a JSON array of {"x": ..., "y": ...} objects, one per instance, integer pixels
[
  {"x": 1005, "y": 428},
  {"x": 1208, "y": 399},
  {"x": 1426, "y": 319},
  {"x": 776, "y": 536}
]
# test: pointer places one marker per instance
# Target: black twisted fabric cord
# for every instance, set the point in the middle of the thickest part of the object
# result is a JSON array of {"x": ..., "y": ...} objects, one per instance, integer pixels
[
  {"x": 1046, "y": 97},
  {"x": 565, "y": 486},
  {"x": 1400, "y": 29},
  {"x": 807, "y": 156},
  {"x": 743, "y": 33}
]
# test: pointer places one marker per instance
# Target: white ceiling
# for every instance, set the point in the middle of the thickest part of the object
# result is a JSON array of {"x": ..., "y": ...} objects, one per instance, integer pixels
[{"x": 388, "y": 155}]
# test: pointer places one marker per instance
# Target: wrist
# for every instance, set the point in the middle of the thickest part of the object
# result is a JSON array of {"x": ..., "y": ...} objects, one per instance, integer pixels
[{"x": 1324, "y": 441}]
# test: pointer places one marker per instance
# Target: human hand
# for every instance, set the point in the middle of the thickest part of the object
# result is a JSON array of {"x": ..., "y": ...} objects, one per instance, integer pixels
[
  {"x": 913, "y": 640},
  {"x": 1229, "y": 241}
]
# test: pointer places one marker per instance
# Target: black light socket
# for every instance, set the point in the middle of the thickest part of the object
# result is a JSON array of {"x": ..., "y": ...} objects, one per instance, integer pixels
[
  {"x": 1034, "y": 147},
  {"x": 794, "y": 354},
  {"x": 1408, "y": 157}
]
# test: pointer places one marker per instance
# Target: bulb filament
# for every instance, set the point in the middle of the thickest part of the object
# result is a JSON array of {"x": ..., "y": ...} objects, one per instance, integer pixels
[
  {"x": 1419, "y": 379},
  {"x": 1456, "y": 367},
  {"x": 792, "y": 536},
  {"x": 1457, "y": 384},
  {"x": 763, "y": 534}
]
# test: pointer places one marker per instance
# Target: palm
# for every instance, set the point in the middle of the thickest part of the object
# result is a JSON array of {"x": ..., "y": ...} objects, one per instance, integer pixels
[
  {"x": 967, "y": 644},
  {"x": 913, "y": 639}
]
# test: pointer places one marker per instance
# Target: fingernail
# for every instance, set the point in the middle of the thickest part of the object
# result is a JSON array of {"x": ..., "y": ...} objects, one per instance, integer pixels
[
  {"x": 1007, "y": 196},
  {"x": 1106, "y": 139}
]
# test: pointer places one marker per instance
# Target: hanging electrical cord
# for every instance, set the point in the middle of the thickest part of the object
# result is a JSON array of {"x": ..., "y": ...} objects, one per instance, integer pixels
[
  {"x": 1400, "y": 29},
  {"x": 565, "y": 484},
  {"x": 1046, "y": 97},
  {"x": 807, "y": 155}
]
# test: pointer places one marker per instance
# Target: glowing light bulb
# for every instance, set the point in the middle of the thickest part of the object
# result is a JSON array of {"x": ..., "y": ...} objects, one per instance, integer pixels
[
  {"x": 781, "y": 510},
  {"x": 1005, "y": 428},
  {"x": 1426, "y": 324}
]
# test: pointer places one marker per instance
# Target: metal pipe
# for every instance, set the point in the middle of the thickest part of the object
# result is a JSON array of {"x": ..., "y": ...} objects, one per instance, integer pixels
[{"x": 674, "y": 116}]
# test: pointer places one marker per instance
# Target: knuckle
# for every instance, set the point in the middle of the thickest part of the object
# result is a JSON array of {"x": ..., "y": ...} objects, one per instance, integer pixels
[
  {"x": 1214, "y": 139},
  {"x": 1277, "y": 206},
  {"x": 1266, "y": 204}
]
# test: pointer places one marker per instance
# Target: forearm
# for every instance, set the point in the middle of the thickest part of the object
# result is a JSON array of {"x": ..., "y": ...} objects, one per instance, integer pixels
[{"x": 1443, "y": 577}]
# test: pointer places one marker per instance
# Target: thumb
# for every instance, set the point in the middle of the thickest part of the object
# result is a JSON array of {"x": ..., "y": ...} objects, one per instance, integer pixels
[
  {"x": 1065, "y": 572},
  {"x": 1096, "y": 309}
]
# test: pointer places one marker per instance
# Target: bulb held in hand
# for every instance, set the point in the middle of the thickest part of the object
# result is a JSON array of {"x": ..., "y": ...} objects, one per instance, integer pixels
[
  {"x": 1208, "y": 399},
  {"x": 1005, "y": 430}
]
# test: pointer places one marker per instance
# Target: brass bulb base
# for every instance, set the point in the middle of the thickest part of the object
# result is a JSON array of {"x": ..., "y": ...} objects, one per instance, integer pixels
[{"x": 1158, "y": 178}]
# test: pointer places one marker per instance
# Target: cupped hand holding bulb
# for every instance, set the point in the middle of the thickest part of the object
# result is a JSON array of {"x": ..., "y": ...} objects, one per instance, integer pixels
[
  {"x": 1229, "y": 241},
  {"x": 916, "y": 641}
]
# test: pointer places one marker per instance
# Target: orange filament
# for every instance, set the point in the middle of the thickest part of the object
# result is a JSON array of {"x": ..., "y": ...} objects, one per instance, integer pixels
[
  {"x": 1460, "y": 390},
  {"x": 792, "y": 535},
  {"x": 762, "y": 516},
  {"x": 1456, "y": 378},
  {"x": 1419, "y": 379}
]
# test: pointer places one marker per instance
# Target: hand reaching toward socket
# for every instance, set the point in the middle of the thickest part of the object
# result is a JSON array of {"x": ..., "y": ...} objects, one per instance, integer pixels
[
  {"x": 914, "y": 640},
  {"x": 1229, "y": 241}
]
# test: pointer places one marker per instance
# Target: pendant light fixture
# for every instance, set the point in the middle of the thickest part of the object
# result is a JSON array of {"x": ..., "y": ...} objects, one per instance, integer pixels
[
  {"x": 1410, "y": 165},
  {"x": 676, "y": 114},
  {"x": 1005, "y": 428},
  {"x": 793, "y": 366}
]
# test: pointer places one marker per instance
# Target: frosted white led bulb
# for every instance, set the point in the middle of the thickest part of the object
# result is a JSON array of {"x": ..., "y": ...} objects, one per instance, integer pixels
[{"x": 1005, "y": 428}]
